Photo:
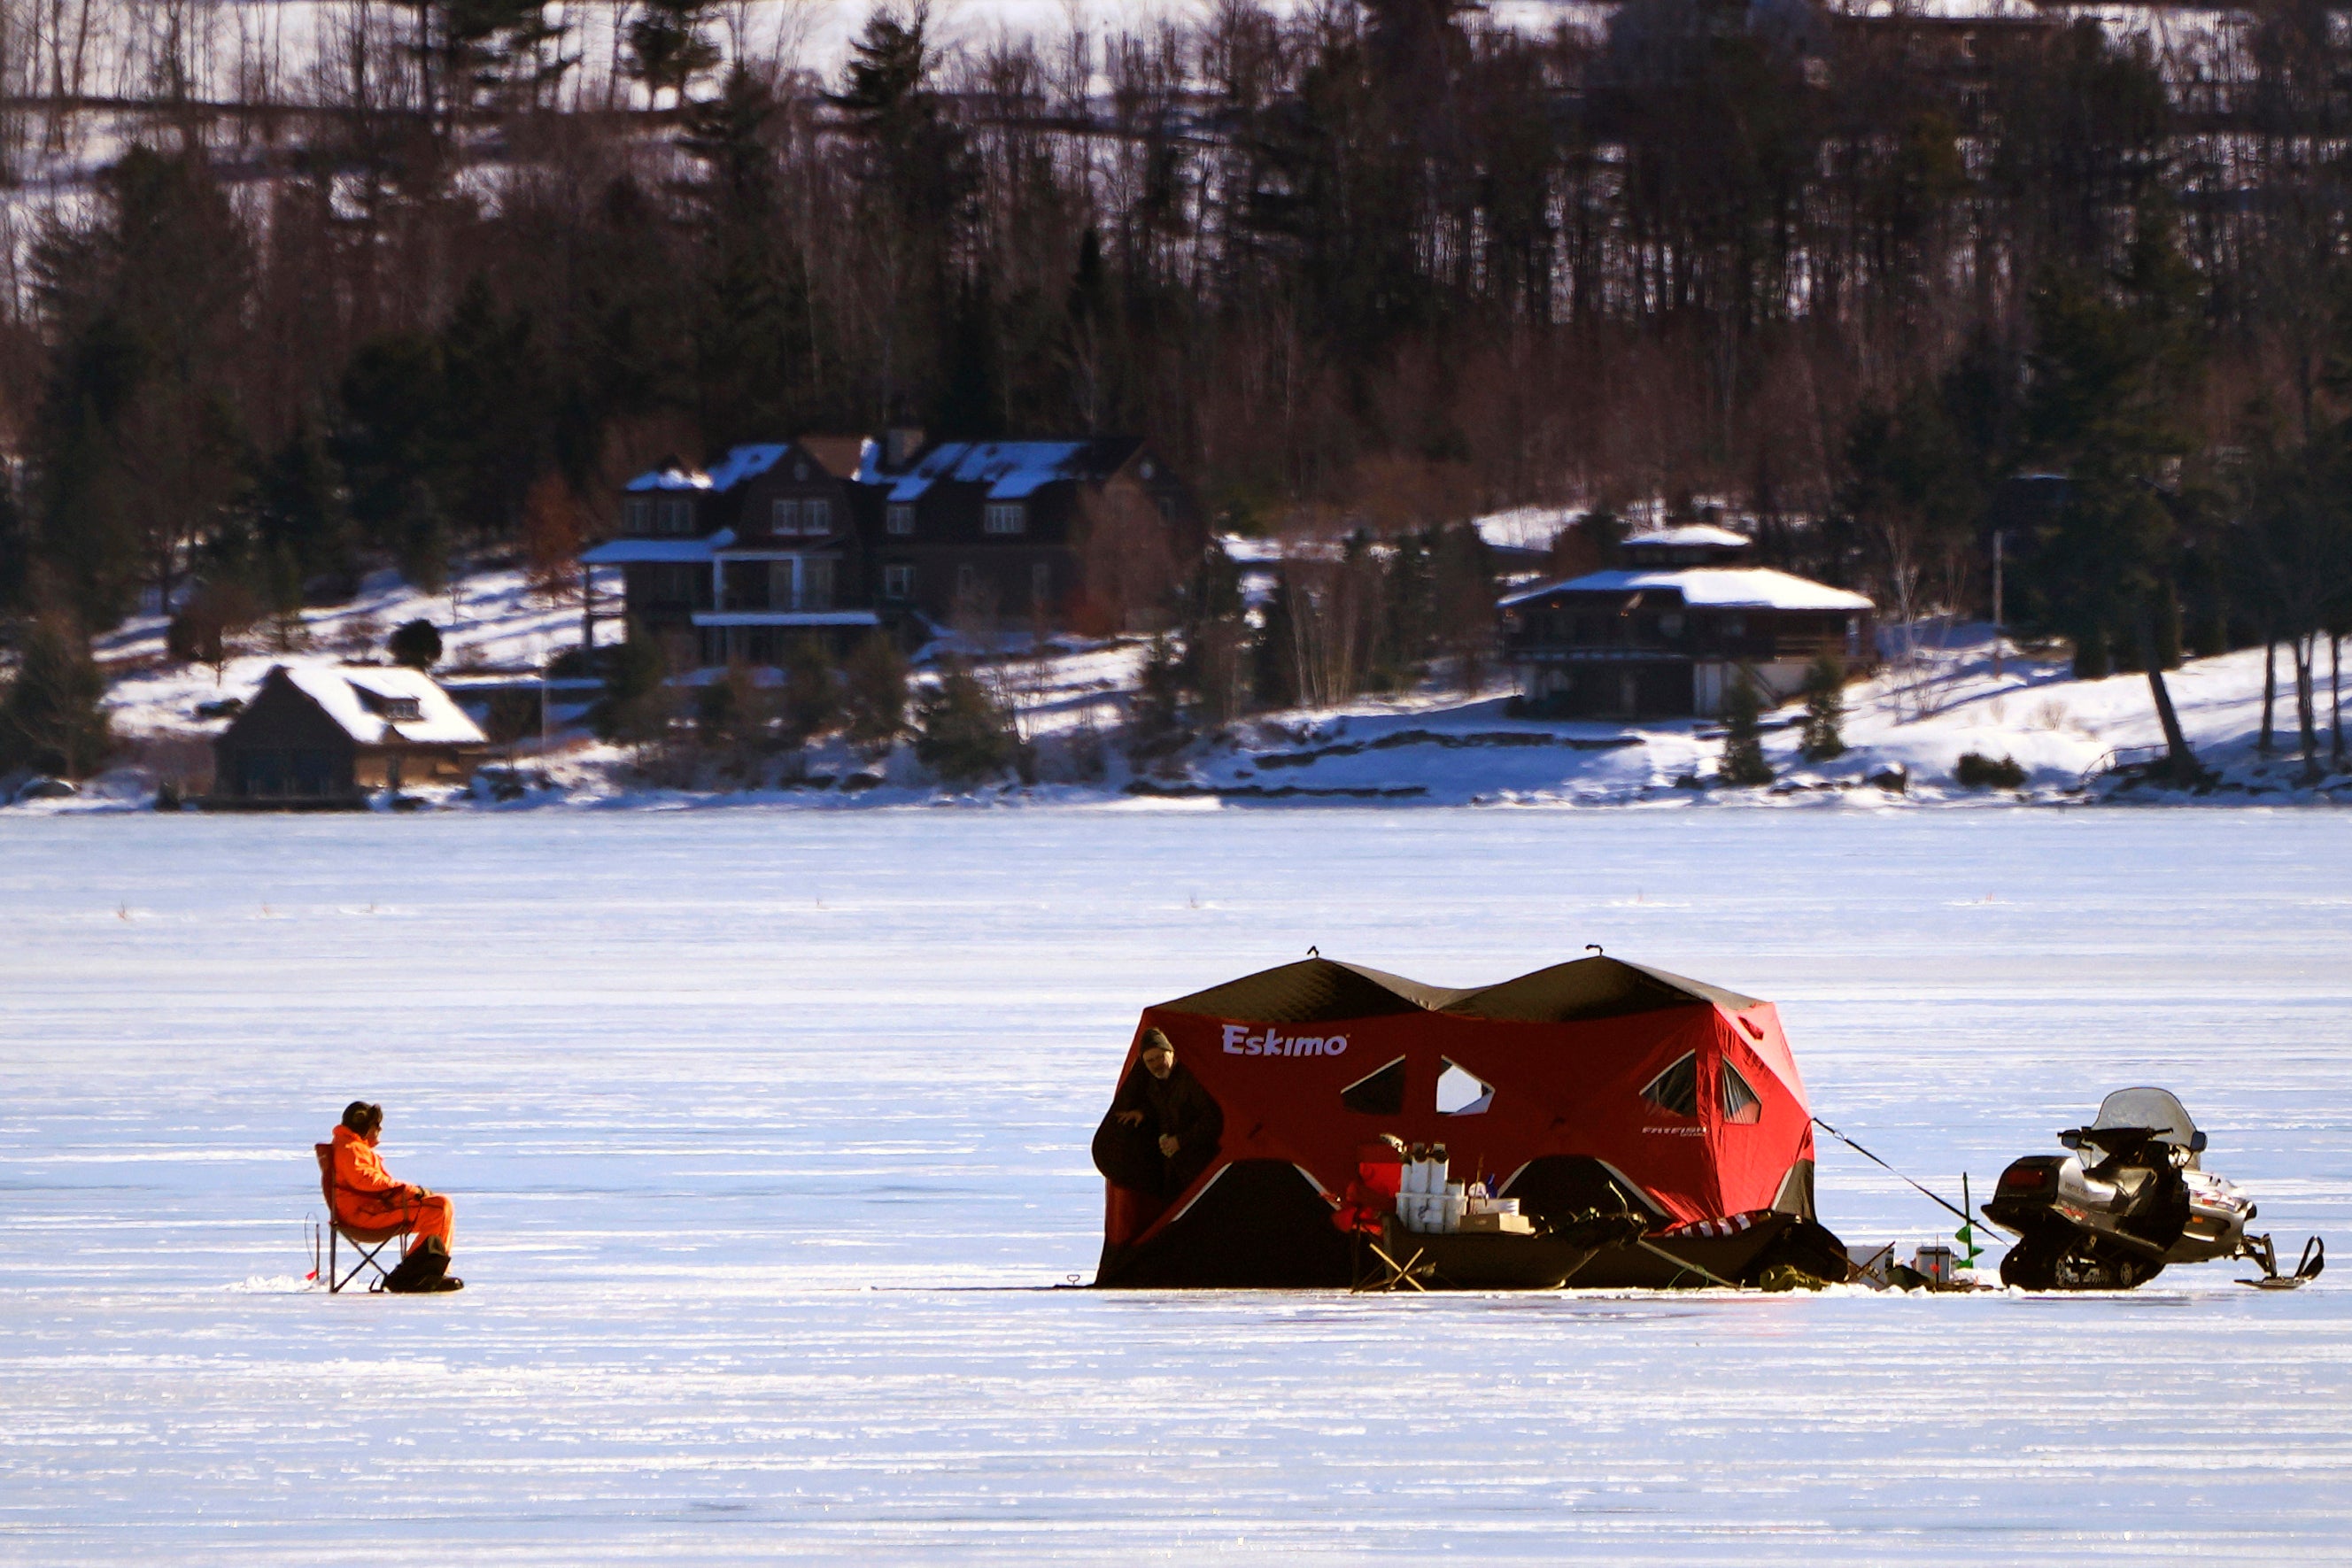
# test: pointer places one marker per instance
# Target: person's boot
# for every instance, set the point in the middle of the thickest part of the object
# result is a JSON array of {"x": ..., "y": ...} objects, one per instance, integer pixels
[{"x": 423, "y": 1269}]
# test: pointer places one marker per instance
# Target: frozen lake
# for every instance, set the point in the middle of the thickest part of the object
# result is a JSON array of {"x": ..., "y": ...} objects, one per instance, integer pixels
[{"x": 768, "y": 1137}]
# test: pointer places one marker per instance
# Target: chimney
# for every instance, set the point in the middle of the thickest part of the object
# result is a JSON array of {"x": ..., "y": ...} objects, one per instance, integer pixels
[{"x": 900, "y": 444}]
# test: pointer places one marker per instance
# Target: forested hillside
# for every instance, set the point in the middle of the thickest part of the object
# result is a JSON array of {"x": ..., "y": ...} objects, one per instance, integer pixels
[{"x": 442, "y": 275}]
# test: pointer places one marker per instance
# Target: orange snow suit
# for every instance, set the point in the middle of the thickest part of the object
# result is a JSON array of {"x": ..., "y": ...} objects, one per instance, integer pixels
[{"x": 367, "y": 1198}]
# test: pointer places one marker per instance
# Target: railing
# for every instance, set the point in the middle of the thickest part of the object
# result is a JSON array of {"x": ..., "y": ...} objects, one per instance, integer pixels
[{"x": 2122, "y": 758}]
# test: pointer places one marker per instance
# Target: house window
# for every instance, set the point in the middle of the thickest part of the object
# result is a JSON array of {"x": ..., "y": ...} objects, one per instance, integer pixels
[
  {"x": 784, "y": 516},
  {"x": 816, "y": 584},
  {"x": 898, "y": 581},
  {"x": 1006, "y": 517},
  {"x": 677, "y": 516},
  {"x": 1041, "y": 585},
  {"x": 640, "y": 517},
  {"x": 816, "y": 516},
  {"x": 1675, "y": 1091},
  {"x": 1734, "y": 626},
  {"x": 1670, "y": 624},
  {"x": 900, "y": 519},
  {"x": 1740, "y": 1101}
]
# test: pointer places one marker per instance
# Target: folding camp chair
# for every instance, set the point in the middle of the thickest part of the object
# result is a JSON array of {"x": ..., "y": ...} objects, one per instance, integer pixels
[{"x": 365, "y": 1242}]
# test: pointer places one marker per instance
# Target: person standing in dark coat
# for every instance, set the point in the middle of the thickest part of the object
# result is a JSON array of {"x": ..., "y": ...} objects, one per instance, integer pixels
[{"x": 1164, "y": 1127}]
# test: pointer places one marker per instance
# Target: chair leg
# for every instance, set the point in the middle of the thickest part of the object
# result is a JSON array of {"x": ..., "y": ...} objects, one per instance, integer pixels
[{"x": 333, "y": 1236}]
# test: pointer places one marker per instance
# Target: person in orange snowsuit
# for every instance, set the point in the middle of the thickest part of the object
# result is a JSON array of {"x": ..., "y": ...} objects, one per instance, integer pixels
[{"x": 368, "y": 1199}]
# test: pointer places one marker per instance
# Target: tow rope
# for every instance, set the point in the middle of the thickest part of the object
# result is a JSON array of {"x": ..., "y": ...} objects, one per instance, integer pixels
[{"x": 1873, "y": 1159}]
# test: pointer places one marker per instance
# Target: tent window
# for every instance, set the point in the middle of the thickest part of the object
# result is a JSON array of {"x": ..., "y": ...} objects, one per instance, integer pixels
[
  {"x": 1740, "y": 1101},
  {"x": 1463, "y": 1094},
  {"x": 1378, "y": 1094},
  {"x": 1675, "y": 1091}
]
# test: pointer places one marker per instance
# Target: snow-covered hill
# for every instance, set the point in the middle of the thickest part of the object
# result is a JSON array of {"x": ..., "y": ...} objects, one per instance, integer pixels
[{"x": 1907, "y": 729}]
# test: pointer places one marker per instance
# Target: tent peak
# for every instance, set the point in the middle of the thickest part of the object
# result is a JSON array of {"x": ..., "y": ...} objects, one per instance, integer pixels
[{"x": 1317, "y": 988}]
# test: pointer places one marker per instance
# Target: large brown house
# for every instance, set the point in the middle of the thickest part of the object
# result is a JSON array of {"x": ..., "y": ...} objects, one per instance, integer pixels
[
  {"x": 735, "y": 564},
  {"x": 1670, "y": 632},
  {"x": 1063, "y": 534},
  {"x": 834, "y": 534}
]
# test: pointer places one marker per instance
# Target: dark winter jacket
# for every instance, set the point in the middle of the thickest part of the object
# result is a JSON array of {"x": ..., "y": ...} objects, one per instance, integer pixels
[{"x": 1176, "y": 1106}]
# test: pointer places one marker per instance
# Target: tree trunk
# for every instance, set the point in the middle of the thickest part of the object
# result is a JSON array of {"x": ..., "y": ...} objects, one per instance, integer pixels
[
  {"x": 2181, "y": 760},
  {"x": 2336, "y": 696},
  {"x": 2304, "y": 648},
  {"x": 2270, "y": 692}
]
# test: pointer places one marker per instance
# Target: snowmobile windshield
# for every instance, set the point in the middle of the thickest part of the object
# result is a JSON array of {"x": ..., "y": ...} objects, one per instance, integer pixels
[{"x": 2152, "y": 1108}]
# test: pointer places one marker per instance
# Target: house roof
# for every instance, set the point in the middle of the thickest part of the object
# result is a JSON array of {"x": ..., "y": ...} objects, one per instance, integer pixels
[
  {"x": 1691, "y": 535},
  {"x": 741, "y": 463},
  {"x": 648, "y": 552},
  {"x": 357, "y": 699},
  {"x": 1013, "y": 470},
  {"x": 1710, "y": 587}
]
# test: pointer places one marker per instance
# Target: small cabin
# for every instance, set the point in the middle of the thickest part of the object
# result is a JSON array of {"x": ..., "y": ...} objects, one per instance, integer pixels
[
  {"x": 318, "y": 736},
  {"x": 1671, "y": 631}
]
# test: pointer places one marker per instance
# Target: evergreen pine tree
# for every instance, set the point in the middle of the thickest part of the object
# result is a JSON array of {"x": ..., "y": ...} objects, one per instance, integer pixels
[
  {"x": 961, "y": 734},
  {"x": 52, "y": 713},
  {"x": 1155, "y": 721},
  {"x": 635, "y": 708},
  {"x": 873, "y": 700},
  {"x": 1743, "y": 746},
  {"x": 812, "y": 693},
  {"x": 1824, "y": 710}
]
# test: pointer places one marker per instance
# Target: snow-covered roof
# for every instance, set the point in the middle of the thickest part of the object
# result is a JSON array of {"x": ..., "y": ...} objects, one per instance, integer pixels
[
  {"x": 1013, "y": 470},
  {"x": 1690, "y": 536},
  {"x": 1525, "y": 528},
  {"x": 786, "y": 618},
  {"x": 1242, "y": 549},
  {"x": 1712, "y": 587},
  {"x": 742, "y": 463},
  {"x": 648, "y": 552},
  {"x": 368, "y": 703}
]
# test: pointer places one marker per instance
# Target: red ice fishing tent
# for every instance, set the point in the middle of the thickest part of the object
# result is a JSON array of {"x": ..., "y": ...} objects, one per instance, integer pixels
[{"x": 1596, "y": 1086}]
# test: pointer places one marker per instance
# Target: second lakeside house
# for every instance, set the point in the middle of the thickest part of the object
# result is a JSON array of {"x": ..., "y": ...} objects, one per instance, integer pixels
[
  {"x": 835, "y": 536},
  {"x": 1674, "y": 628}
]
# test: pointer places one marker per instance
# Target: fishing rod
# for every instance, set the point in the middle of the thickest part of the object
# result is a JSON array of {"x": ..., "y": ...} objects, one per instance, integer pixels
[{"x": 1865, "y": 1154}]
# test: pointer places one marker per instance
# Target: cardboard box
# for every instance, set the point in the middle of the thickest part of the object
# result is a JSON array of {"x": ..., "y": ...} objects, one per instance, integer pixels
[{"x": 1498, "y": 1225}]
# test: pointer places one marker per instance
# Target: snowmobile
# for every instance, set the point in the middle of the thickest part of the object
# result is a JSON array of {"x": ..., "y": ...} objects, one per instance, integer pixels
[{"x": 2127, "y": 1198}]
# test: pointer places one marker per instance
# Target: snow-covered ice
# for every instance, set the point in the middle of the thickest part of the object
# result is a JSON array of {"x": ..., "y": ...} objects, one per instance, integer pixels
[{"x": 768, "y": 1134}]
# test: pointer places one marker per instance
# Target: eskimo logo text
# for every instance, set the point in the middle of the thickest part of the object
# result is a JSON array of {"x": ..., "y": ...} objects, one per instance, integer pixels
[{"x": 1240, "y": 1042}]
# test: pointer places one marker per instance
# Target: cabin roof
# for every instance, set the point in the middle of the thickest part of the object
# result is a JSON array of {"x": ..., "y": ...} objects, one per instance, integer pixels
[
  {"x": 1710, "y": 587},
  {"x": 364, "y": 701}
]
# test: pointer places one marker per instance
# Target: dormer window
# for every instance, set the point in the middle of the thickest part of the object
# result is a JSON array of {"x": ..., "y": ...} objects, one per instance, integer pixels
[
  {"x": 677, "y": 516},
  {"x": 1006, "y": 517},
  {"x": 785, "y": 518},
  {"x": 399, "y": 710},
  {"x": 816, "y": 516},
  {"x": 900, "y": 519},
  {"x": 637, "y": 516}
]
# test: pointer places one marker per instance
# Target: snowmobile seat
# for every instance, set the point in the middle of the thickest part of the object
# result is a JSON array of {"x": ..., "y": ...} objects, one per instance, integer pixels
[{"x": 367, "y": 1243}]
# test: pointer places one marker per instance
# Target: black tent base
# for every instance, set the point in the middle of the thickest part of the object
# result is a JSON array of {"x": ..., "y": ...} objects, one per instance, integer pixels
[
  {"x": 1258, "y": 1225},
  {"x": 1460, "y": 1261}
]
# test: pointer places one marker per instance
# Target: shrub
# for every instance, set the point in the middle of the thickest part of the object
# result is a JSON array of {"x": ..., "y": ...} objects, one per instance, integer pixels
[
  {"x": 1743, "y": 744},
  {"x": 1824, "y": 710},
  {"x": 961, "y": 733},
  {"x": 1975, "y": 770},
  {"x": 414, "y": 643}
]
